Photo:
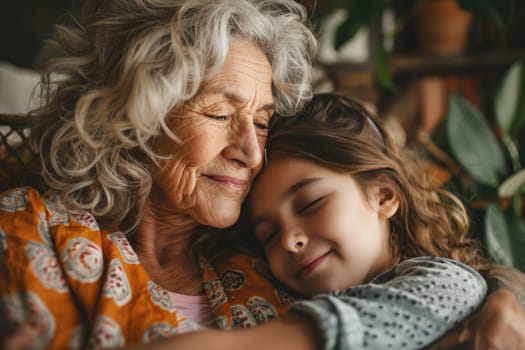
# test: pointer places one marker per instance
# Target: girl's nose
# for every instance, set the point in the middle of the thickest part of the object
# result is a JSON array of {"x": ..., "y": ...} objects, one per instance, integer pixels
[{"x": 294, "y": 240}]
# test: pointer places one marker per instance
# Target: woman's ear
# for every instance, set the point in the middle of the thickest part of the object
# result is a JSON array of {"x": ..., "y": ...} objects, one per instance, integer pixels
[{"x": 386, "y": 199}]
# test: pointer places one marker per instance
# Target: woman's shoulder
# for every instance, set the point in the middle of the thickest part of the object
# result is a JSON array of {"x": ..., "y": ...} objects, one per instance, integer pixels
[
  {"x": 19, "y": 198},
  {"x": 40, "y": 218},
  {"x": 28, "y": 202},
  {"x": 39, "y": 225}
]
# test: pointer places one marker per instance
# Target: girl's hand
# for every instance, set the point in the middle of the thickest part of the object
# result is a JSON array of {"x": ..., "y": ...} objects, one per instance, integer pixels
[{"x": 498, "y": 325}]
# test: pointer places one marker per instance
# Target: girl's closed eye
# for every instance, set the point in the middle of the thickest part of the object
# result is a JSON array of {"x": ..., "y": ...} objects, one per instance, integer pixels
[
  {"x": 266, "y": 233},
  {"x": 312, "y": 205},
  {"x": 269, "y": 238}
]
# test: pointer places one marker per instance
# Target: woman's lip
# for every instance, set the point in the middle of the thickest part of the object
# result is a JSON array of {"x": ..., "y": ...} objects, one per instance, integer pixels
[
  {"x": 309, "y": 265},
  {"x": 231, "y": 182}
]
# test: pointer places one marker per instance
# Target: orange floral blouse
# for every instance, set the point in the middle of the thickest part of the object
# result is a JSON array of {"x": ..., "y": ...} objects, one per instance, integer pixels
[{"x": 85, "y": 287}]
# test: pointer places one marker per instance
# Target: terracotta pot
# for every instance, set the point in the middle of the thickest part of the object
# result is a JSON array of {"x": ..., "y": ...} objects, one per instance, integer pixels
[{"x": 442, "y": 28}]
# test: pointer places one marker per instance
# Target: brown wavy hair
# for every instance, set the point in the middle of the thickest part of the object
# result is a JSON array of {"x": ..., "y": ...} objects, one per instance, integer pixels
[{"x": 338, "y": 133}]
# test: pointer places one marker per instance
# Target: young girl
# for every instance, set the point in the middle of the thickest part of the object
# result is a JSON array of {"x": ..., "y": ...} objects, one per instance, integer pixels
[
  {"x": 347, "y": 220},
  {"x": 339, "y": 210}
]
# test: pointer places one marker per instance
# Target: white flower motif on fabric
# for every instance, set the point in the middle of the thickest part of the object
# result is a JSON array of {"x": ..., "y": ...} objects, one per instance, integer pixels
[
  {"x": 45, "y": 266},
  {"x": 233, "y": 280},
  {"x": 106, "y": 334},
  {"x": 284, "y": 297},
  {"x": 117, "y": 285},
  {"x": 85, "y": 219},
  {"x": 261, "y": 309},
  {"x": 43, "y": 230},
  {"x": 57, "y": 212},
  {"x": 14, "y": 200},
  {"x": 215, "y": 293},
  {"x": 77, "y": 337},
  {"x": 187, "y": 326},
  {"x": 83, "y": 260},
  {"x": 159, "y": 330},
  {"x": 160, "y": 297},
  {"x": 37, "y": 316},
  {"x": 242, "y": 317},
  {"x": 126, "y": 250},
  {"x": 221, "y": 321}
]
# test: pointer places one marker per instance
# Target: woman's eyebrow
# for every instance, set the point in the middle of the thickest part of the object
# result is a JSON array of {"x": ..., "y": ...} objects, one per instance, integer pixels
[{"x": 238, "y": 98}]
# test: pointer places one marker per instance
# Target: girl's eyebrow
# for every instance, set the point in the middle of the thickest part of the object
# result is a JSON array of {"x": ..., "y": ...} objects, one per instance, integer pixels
[
  {"x": 297, "y": 186},
  {"x": 291, "y": 191}
]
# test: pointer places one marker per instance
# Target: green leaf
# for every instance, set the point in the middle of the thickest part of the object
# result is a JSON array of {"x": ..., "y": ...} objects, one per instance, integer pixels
[
  {"x": 498, "y": 11},
  {"x": 497, "y": 237},
  {"x": 346, "y": 31},
  {"x": 516, "y": 230},
  {"x": 382, "y": 69},
  {"x": 510, "y": 99},
  {"x": 473, "y": 143},
  {"x": 359, "y": 14},
  {"x": 513, "y": 185}
]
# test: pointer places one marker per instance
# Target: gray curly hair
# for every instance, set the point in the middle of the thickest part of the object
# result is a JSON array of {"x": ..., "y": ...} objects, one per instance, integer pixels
[{"x": 123, "y": 65}]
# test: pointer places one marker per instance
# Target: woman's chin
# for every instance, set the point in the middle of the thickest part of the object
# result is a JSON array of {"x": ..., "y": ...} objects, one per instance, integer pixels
[{"x": 222, "y": 217}]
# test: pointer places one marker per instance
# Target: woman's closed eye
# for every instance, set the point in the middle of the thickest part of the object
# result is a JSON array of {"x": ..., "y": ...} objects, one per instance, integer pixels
[
  {"x": 262, "y": 121},
  {"x": 261, "y": 126},
  {"x": 221, "y": 117},
  {"x": 217, "y": 117}
]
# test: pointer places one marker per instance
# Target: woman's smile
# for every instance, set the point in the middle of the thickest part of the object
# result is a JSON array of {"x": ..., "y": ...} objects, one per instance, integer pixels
[{"x": 235, "y": 184}]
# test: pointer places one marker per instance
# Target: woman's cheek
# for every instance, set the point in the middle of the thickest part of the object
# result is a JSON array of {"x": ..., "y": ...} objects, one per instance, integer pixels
[{"x": 177, "y": 182}]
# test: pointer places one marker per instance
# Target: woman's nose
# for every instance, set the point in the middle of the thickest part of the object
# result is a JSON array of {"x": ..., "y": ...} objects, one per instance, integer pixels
[
  {"x": 244, "y": 146},
  {"x": 294, "y": 240}
]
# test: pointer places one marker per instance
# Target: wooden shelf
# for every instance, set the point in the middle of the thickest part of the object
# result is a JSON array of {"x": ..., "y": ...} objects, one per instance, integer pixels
[
  {"x": 415, "y": 64},
  {"x": 420, "y": 64}
]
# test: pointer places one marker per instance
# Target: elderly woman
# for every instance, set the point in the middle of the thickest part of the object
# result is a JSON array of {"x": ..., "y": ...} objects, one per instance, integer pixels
[
  {"x": 152, "y": 132},
  {"x": 153, "y": 129}
]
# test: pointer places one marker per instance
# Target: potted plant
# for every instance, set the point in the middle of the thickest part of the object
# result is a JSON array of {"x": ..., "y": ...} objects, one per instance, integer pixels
[
  {"x": 442, "y": 27},
  {"x": 361, "y": 14},
  {"x": 487, "y": 166}
]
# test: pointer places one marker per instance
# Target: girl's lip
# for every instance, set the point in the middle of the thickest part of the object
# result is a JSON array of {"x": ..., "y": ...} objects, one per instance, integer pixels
[
  {"x": 308, "y": 266},
  {"x": 230, "y": 182}
]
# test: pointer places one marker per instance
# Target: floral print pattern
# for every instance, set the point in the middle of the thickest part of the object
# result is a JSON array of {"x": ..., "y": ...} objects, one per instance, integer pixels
[
  {"x": 66, "y": 263},
  {"x": 83, "y": 259},
  {"x": 117, "y": 285}
]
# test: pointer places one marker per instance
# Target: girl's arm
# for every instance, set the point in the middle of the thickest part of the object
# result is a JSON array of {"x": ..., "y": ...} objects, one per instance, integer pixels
[
  {"x": 408, "y": 307},
  {"x": 291, "y": 332}
]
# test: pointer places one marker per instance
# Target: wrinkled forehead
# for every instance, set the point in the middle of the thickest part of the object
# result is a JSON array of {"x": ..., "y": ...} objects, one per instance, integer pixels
[{"x": 245, "y": 76}]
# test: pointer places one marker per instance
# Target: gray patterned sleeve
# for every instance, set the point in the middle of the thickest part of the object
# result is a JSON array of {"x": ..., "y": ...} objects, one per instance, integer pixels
[{"x": 407, "y": 307}]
